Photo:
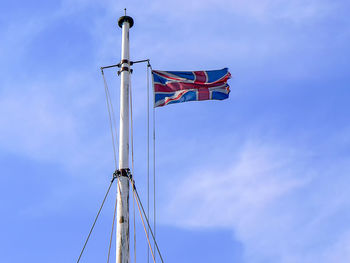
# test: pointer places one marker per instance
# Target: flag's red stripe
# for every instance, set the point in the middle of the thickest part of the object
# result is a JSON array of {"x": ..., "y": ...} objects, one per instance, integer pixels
[
  {"x": 201, "y": 77},
  {"x": 203, "y": 94},
  {"x": 176, "y": 86}
]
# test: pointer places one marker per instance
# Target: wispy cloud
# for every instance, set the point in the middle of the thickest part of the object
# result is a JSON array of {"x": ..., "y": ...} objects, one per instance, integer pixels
[{"x": 275, "y": 199}]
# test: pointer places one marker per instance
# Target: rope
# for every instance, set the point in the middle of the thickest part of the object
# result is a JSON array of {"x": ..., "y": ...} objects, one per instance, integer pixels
[
  {"x": 112, "y": 120},
  {"x": 132, "y": 162},
  {"x": 139, "y": 203},
  {"x": 144, "y": 227},
  {"x": 93, "y": 225},
  {"x": 148, "y": 156},
  {"x": 133, "y": 208},
  {"x": 148, "y": 117},
  {"x": 154, "y": 166},
  {"x": 111, "y": 238},
  {"x": 111, "y": 116}
]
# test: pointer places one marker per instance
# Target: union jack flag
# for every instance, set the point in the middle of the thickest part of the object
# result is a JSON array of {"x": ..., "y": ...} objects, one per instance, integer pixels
[{"x": 180, "y": 86}]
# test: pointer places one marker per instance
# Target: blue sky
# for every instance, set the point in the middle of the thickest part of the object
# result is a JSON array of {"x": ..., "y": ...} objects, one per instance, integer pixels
[{"x": 260, "y": 177}]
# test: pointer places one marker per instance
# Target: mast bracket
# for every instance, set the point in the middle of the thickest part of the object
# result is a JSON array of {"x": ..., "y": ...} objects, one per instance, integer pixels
[
  {"x": 126, "y": 61},
  {"x": 122, "y": 172},
  {"x": 125, "y": 69}
]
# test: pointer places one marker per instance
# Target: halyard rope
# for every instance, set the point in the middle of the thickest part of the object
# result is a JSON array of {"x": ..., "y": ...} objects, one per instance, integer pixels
[
  {"x": 148, "y": 157},
  {"x": 132, "y": 162},
  {"x": 148, "y": 117},
  {"x": 154, "y": 162}
]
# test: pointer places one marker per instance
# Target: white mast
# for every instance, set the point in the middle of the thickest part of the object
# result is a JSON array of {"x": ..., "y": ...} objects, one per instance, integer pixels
[{"x": 122, "y": 243}]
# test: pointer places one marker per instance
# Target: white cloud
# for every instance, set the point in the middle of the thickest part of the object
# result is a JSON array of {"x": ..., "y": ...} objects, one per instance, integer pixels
[{"x": 278, "y": 203}]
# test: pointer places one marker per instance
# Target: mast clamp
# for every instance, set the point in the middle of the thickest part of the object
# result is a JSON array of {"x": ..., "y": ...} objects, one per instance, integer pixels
[
  {"x": 124, "y": 61},
  {"x": 124, "y": 69},
  {"x": 122, "y": 172}
]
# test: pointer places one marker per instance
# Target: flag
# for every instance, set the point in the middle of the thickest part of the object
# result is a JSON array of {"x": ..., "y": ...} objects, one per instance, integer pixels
[{"x": 180, "y": 86}]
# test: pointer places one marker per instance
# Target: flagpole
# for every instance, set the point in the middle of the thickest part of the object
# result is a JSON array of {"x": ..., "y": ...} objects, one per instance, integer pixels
[{"x": 122, "y": 238}]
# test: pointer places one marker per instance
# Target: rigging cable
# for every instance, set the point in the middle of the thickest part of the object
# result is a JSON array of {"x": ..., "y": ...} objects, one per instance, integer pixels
[
  {"x": 93, "y": 225},
  {"x": 111, "y": 238},
  {"x": 111, "y": 116},
  {"x": 112, "y": 120},
  {"x": 148, "y": 155},
  {"x": 132, "y": 161},
  {"x": 133, "y": 208},
  {"x": 139, "y": 203},
  {"x": 110, "y": 112},
  {"x": 154, "y": 162},
  {"x": 135, "y": 193}
]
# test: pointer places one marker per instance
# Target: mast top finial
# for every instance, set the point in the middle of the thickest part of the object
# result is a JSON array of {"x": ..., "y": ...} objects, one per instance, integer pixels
[{"x": 125, "y": 18}]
